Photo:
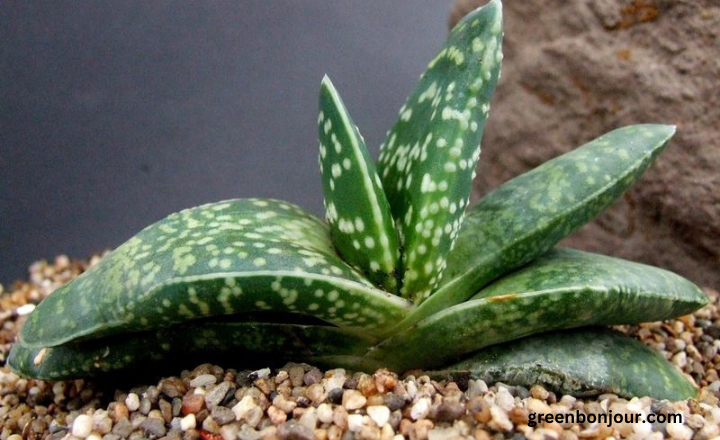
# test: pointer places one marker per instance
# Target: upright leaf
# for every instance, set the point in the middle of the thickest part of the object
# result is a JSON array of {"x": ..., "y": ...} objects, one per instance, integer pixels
[
  {"x": 361, "y": 225},
  {"x": 428, "y": 160},
  {"x": 526, "y": 216}
]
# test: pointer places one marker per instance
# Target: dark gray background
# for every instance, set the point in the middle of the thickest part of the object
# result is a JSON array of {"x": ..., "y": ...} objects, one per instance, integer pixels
[{"x": 115, "y": 114}]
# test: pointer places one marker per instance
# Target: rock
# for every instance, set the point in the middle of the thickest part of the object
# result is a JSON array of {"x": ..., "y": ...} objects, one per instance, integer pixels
[
  {"x": 420, "y": 408},
  {"x": 222, "y": 415},
  {"x": 203, "y": 380},
  {"x": 379, "y": 414},
  {"x": 243, "y": 407},
  {"x": 449, "y": 411},
  {"x": 579, "y": 69},
  {"x": 192, "y": 403},
  {"x": 173, "y": 387},
  {"x": 165, "y": 410},
  {"x": 188, "y": 422},
  {"x": 123, "y": 428},
  {"x": 335, "y": 395},
  {"x": 679, "y": 431},
  {"x": 325, "y": 413},
  {"x": 353, "y": 399},
  {"x": 154, "y": 426},
  {"x": 394, "y": 401},
  {"x": 292, "y": 430},
  {"x": 82, "y": 426},
  {"x": 443, "y": 434},
  {"x": 132, "y": 402},
  {"x": 313, "y": 376},
  {"x": 216, "y": 395}
]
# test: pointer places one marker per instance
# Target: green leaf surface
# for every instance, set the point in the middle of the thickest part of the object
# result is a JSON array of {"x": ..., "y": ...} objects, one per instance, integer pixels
[
  {"x": 563, "y": 289},
  {"x": 361, "y": 225},
  {"x": 428, "y": 160},
  {"x": 528, "y": 215},
  {"x": 237, "y": 344},
  {"x": 225, "y": 258},
  {"x": 582, "y": 363}
]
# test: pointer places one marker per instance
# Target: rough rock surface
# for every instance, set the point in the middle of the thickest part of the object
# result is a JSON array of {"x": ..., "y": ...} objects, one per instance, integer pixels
[{"x": 574, "y": 70}]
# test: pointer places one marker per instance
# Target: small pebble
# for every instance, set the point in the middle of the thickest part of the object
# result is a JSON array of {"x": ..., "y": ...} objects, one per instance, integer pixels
[
  {"x": 188, "y": 422},
  {"x": 82, "y": 426},
  {"x": 353, "y": 399},
  {"x": 292, "y": 430},
  {"x": 132, "y": 402},
  {"x": 379, "y": 414},
  {"x": 420, "y": 408},
  {"x": 203, "y": 380},
  {"x": 154, "y": 426}
]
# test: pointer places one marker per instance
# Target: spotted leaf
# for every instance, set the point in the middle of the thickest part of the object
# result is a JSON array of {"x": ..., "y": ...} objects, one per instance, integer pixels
[
  {"x": 361, "y": 225},
  {"x": 528, "y": 215},
  {"x": 582, "y": 363},
  {"x": 563, "y": 289},
  {"x": 225, "y": 258},
  {"x": 219, "y": 341},
  {"x": 428, "y": 160}
]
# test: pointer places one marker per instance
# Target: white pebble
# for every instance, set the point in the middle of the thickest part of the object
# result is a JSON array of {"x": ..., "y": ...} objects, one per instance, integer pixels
[
  {"x": 132, "y": 401},
  {"x": 263, "y": 373},
  {"x": 93, "y": 436},
  {"x": 243, "y": 407},
  {"x": 380, "y": 414},
  {"x": 499, "y": 419},
  {"x": 188, "y": 422},
  {"x": 82, "y": 426},
  {"x": 642, "y": 430},
  {"x": 443, "y": 434},
  {"x": 476, "y": 388},
  {"x": 25, "y": 310},
  {"x": 355, "y": 422},
  {"x": 679, "y": 431},
  {"x": 325, "y": 413},
  {"x": 504, "y": 399},
  {"x": 420, "y": 409}
]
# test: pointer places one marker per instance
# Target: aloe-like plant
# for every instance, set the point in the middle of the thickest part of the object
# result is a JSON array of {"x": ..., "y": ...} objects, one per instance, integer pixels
[{"x": 400, "y": 276}]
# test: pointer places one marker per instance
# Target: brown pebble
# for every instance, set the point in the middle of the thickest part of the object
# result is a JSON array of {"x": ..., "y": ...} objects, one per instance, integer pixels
[
  {"x": 385, "y": 380},
  {"x": 366, "y": 385},
  {"x": 173, "y": 387},
  {"x": 192, "y": 403},
  {"x": 277, "y": 416},
  {"x": 449, "y": 411},
  {"x": 120, "y": 412}
]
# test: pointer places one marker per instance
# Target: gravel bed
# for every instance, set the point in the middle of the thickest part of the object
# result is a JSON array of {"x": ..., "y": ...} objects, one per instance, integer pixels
[{"x": 301, "y": 402}]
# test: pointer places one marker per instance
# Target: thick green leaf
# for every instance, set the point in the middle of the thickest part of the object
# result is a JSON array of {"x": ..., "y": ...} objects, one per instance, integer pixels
[
  {"x": 529, "y": 214},
  {"x": 224, "y": 258},
  {"x": 563, "y": 289},
  {"x": 428, "y": 160},
  {"x": 361, "y": 225},
  {"x": 582, "y": 362},
  {"x": 234, "y": 343}
]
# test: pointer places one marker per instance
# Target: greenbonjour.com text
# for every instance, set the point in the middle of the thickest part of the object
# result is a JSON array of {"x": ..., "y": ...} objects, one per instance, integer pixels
[{"x": 605, "y": 418}]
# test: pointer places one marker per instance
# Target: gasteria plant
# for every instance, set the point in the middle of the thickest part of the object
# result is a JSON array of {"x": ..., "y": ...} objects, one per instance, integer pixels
[{"x": 400, "y": 276}]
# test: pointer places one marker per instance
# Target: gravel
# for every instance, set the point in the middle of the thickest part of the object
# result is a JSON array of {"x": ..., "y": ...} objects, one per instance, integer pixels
[{"x": 298, "y": 401}]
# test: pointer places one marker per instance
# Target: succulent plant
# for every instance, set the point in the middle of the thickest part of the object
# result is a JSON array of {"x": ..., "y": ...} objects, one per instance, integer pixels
[{"x": 400, "y": 276}]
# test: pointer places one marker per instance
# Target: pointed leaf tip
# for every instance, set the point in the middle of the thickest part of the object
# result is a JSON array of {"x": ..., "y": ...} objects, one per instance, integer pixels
[
  {"x": 427, "y": 163},
  {"x": 361, "y": 225}
]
